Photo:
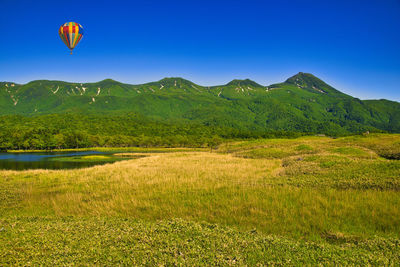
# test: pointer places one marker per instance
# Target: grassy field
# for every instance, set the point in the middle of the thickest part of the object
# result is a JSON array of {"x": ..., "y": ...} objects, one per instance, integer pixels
[
  {"x": 99, "y": 158},
  {"x": 284, "y": 201}
]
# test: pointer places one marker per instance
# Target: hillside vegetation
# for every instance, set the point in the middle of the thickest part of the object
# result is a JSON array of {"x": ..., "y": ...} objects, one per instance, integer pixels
[
  {"x": 60, "y": 131},
  {"x": 303, "y": 103},
  {"x": 296, "y": 201}
]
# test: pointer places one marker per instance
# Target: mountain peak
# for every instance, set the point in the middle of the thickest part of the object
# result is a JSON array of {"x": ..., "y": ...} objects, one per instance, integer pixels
[
  {"x": 302, "y": 77},
  {"x": 311, "y": 83},
  {"x": 173, "y": 79},
  {"x": 175, "y": 82},
  {"x": 245, "y": 82},
  {"x": 108, "y": 81}
]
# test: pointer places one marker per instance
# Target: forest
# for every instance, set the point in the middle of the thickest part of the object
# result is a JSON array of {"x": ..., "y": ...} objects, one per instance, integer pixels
[{"x": 60, "y": 131}]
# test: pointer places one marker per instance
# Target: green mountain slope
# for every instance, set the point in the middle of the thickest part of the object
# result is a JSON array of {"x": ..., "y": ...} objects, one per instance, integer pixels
[{"x": 302, "y": 103}]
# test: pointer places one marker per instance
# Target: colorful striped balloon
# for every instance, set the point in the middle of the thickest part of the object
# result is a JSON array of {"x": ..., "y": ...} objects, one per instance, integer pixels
[{"x": 71, "y": 33}]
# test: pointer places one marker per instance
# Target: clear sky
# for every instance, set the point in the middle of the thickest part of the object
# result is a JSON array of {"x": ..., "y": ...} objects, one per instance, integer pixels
[{"x": 352, "y": 45}]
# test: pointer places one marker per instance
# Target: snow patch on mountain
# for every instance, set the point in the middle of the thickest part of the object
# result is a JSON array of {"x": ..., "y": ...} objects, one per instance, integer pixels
[
  {"x": 319, "y": 90},
  {"x": 55, "y": 92}
]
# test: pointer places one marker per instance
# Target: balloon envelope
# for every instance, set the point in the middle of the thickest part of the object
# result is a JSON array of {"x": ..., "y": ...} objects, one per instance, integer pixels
[{"x": 71, "y": 33}]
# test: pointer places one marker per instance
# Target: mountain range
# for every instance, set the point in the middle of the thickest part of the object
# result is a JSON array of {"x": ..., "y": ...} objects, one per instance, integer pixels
[{"x": 303, "y": 103}]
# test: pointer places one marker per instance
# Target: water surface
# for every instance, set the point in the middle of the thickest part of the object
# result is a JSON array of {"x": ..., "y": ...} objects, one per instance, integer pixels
[{"x": 45, "y": 160}]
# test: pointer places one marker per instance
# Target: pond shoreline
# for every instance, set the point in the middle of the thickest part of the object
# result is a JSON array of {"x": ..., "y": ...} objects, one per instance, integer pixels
[
  {"x": 111, "y": 149},
  {"x": 56, "y": 160}
]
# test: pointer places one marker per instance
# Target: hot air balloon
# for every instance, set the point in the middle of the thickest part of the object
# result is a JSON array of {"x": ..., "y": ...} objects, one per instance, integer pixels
[{"x": 71, "y": 33}]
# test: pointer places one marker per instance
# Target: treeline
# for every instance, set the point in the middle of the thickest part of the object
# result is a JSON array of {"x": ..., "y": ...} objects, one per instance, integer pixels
[{"x": 58, "y": 131}]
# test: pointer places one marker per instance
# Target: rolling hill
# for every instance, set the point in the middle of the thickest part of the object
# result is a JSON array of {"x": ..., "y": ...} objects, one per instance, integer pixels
[{"x": 303, "y": 103}]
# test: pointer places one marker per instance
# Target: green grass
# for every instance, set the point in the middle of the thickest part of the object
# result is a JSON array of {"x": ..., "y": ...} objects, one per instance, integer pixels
[
  {"x": 310, "y": 200},
  {"x": 119, "y": 241}
]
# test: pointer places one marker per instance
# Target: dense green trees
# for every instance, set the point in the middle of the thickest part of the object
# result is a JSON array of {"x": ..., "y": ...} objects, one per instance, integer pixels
[{"x": 59, "y": 131}]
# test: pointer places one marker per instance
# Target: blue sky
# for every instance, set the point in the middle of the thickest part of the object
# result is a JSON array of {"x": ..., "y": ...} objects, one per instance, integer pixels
[{"x": 353, "y": 45}]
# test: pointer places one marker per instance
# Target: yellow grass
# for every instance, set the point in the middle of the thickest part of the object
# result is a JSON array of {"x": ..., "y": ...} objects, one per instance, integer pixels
[{"x": 326, "y": 191}]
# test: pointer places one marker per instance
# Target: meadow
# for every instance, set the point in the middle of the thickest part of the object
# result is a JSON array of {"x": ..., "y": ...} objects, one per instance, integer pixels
[{"x": 309, "y": 200}]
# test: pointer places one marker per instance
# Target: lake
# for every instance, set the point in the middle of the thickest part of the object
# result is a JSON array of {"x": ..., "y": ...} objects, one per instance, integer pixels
[{"x": 51, "y": 160}]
